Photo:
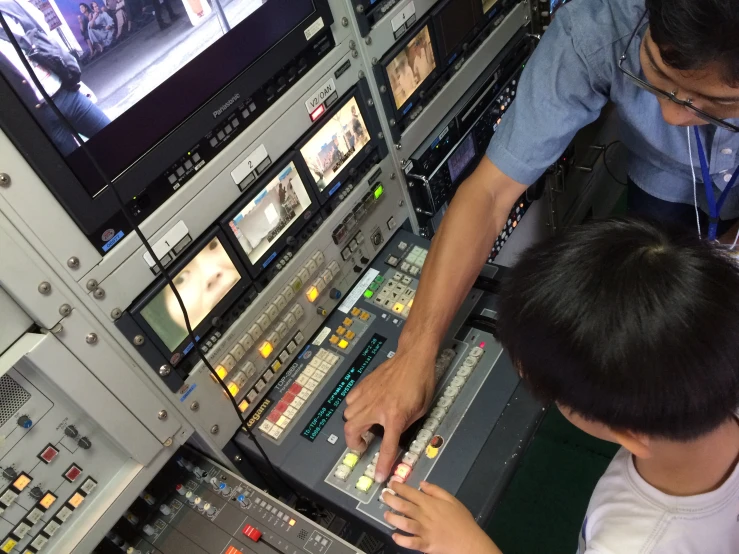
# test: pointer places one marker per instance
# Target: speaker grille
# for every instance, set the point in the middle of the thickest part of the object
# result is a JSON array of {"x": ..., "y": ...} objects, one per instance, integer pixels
[
  {"x": 303, "y": 534},
  {"x": 12, "y": 398}
]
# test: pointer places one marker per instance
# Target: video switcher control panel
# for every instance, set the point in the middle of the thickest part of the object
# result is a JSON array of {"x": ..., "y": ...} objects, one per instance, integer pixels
[
  {"x": 195, "y": 506},
  {"x": 299, "y": 423}
]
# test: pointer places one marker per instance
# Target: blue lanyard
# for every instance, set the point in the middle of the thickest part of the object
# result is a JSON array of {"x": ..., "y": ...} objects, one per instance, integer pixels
[{"x": 714, "y": 208}]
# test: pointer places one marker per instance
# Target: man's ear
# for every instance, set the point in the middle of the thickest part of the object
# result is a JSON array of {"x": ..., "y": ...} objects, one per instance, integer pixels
[{"x": 638, "y": 444}]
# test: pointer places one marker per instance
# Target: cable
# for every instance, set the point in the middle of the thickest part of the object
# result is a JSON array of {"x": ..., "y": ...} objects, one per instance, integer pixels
[
  {"x": 605, "y": 163},
  {"x": 137, "y": 230},
  {"x": 695, "y": 186}
]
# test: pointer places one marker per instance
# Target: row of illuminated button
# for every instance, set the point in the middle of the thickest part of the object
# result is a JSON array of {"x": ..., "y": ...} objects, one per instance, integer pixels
[
  {"x": 320, "y": 284},
  {"x": 289, "y": 406},
  {"x": 343, "y": 334},
  {"x": 21, "y": 530}
]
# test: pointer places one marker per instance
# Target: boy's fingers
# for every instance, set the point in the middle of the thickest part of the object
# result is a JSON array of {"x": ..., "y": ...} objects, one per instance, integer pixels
[
  {"x": 411, "y": 543},
  {"x": 400, "y": 505},
  {"x": 403, "y": 523},
  {"x": 436, "y": 492},
  {"x": 409, "y": 493}
]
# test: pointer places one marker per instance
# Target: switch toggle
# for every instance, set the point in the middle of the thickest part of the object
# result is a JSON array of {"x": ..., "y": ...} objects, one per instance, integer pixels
[
  {"x": 71, "y": 431},
  {"x": 84, "y": 443},
  {"x": 252, "y": 532}
]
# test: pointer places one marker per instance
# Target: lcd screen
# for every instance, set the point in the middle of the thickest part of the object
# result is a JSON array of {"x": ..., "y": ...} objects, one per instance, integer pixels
[
  {"x": 335, "y": 144},
  {"x": 266, "y": 218},
  {"x": 202, "y": 284},
  {"x": 487, "y": 5},
  {"x": 453, "y": 23},
  {"x": 461, "y": 158},
  {"x": 411, "y": 66}
]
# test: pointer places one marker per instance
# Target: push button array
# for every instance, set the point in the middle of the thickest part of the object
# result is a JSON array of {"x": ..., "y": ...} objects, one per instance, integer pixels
[{"x": 299, "y": 392}]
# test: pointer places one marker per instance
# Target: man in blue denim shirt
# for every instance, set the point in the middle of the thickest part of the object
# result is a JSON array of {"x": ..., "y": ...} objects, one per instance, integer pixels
[{"x": 670, "y": 66}]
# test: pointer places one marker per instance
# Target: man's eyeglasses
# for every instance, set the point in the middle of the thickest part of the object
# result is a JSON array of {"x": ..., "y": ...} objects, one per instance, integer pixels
[{"x": 687, "y": 104}]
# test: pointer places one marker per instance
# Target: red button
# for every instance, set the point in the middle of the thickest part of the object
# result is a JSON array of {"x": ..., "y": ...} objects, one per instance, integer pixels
[
  {"x": 252, "y": 532},
  {"x": 72, "y": 473},
  {"x": 48, "y": 454},
  {"x": 288, "y": 398},
  {"x": 281, "y": 406},
  {"x": 274, "y": 416},
  {"x": 295, "y": 389}
]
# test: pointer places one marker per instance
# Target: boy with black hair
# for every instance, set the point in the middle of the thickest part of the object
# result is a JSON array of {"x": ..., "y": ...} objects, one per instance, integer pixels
[{"x": 632, "y": 329}]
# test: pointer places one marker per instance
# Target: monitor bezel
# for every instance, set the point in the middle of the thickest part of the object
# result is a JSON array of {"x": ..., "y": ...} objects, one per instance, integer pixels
[
  {"x": 383, "y": 79},
  {"x": 256, "y": 269},
  {"x": 91, "y": 213},
  {"x": 205, "y": 327},
  {"x": 436, "y": 16},
  {"x": 348, "y": 173}
]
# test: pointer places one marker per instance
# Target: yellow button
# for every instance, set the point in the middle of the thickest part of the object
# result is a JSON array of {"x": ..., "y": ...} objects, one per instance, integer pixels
[
  {"x": 243, "y": 406},
  {"x": 266, "y": 349},
  {"x": 311, "y": 294},
  {"x": 398, "y": 308},
  {"x": 8, "y": 545},
  {"x": 22, "y": 482},
  {"x": 47, "y": 500},
  {"x": 350, "y": 335},
  {"x": 292, "y": 522},
  {"x": 277, "y": 365},
  {"x": 221, "y": 371},
  {"x": 340, "y": 331},
  {"x": 356, "y": 311},
  {"x": 365, "y": 316},
  {"x": 364, "y": 483},
  {"x": 76, "y": 500},
  {"x": 348, "y": 322},
  {"x": 233, "y": 388},
  {"x": 350, "y": 460},
  {"x": 343, "y": 344},
  {"x": 410, "y": 303}
]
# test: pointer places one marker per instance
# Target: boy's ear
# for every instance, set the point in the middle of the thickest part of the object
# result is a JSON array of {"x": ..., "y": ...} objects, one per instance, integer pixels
[{"x": 636, "y": 443}]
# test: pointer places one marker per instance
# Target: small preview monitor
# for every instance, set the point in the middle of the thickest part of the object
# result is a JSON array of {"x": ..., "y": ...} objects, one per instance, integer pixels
[
  {"x": 336, "y": 144},
  {"x": 460, "y": 159},
  {"x": 410, "y": 67},
  {"x": 487, "y": 5},
  {"x": 208, "y": 280},
  {"x": 454, "y": 21},
  {"x": 279, "y": 207}
]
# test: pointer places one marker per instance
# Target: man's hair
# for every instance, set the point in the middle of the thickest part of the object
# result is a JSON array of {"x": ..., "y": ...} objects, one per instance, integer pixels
[
  {"x": 692, "y": 34},
  {"x": 629, "y": 323}
]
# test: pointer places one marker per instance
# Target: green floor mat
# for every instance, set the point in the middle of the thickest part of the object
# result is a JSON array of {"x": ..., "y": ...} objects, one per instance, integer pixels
[{"x": 544, "y": 505}]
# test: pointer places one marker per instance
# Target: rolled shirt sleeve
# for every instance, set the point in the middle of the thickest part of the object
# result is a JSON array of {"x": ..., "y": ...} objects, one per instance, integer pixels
[{"x": 560, "y": 92}]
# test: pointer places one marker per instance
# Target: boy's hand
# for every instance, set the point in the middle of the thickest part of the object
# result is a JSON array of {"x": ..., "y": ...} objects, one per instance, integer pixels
[{"x": 438, "y": 522}]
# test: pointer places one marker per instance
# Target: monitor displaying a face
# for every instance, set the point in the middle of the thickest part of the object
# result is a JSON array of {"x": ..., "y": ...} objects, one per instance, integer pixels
[{"x": 411, "y": 67}]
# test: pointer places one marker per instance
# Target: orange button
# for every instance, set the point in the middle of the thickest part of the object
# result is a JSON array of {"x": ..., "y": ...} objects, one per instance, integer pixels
[{"x": 403, "y": 471}]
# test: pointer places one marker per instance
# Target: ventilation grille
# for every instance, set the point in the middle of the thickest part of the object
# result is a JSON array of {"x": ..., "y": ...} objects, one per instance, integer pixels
[
  {"x": 12, "y": 398},
  {"x": 303, "y": 535},
  {"x": 369, "y": 544}
]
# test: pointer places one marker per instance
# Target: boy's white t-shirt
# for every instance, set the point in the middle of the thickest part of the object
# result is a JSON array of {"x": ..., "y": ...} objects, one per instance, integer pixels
[{"x": 627, "y": 515}]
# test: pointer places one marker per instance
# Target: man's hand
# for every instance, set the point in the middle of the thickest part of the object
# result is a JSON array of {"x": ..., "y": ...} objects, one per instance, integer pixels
[
  {"x": 394, "y": 395},
  {"x": 437, "y": 522}
]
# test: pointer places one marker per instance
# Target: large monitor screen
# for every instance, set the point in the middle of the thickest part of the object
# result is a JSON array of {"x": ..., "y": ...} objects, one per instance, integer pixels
[
  {"x": 266, "y": 218},
  {"x": 202, "y": 284},
  {"x": 335, "y": 144},
  {"x": 411, "y": 67},
  {"x": 145, "y": 65}
]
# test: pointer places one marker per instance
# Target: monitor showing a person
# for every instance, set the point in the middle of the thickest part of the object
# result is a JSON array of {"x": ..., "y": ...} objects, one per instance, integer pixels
[
  {"x": 335, "y": 144},
  {"x": 266, "y": 218},
  {"x": 411, "y": 67},
  {"x": 202, "y": 284}
]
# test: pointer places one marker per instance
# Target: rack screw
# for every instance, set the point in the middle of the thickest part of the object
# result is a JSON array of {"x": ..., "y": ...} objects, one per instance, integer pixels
[{"x": 73, "y": 262}]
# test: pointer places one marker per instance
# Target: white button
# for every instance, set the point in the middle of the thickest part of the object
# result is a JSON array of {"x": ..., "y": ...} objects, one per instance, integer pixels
[
  {"x": 431, "y": 424},
  {"x": 464, "y": 372},
  {"x": 451, "y": 392},
  {"x": 438, "y": 413},
  {"x": 476, "y": 352},
  {"x": 727, "y": 178},
  {"x": 416, "y": 447},
  {"x": 311, "y": 384},
  {"x": 410, "y": 458},
  {"x": 457, "y": 381},
  {"x": 318, "y": 375},
  {"x": 423, "y": 436},
  {"x": 302, "y": 379},
  {"x": 297, "y": 403},
  {"x": 370, "y": 471},
  {"x": 275, "y": 432},
  {"x": 342, "y": 472},
  {"x": 726, "y": 151},
  {"x": 288, "y": 294}
]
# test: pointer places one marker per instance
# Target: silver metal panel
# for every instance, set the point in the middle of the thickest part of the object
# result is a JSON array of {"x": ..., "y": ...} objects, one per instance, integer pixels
[
  {"x": 432, "y": 113},
  {"x": 14, "y": 321}
]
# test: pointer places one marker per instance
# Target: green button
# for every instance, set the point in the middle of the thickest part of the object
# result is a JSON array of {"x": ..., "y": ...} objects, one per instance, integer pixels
[
  {"x": 368, "y": 294},
  {"x": 378, "y": 191},
  {"x": 379, "y": 279},
  {"x": 374, "y": 286}
]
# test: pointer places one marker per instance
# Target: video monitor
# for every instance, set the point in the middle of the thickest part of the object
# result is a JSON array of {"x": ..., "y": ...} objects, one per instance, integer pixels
[
  {"x": 454, "y": 23},
  {"x": 460, "y": 159},
  {"x": 410, "y": 67},
  {"x": 341, "y": 142},
  {"x": 208, "y": 280},
  {"x": 279, "y": 207},
  {"x": 487, "y": 5}
]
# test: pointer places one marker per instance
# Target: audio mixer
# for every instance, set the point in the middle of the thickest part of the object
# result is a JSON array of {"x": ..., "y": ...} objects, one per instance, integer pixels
[
  {"x": 194, "y": 506},
  {"x": 299, "y": 423}
]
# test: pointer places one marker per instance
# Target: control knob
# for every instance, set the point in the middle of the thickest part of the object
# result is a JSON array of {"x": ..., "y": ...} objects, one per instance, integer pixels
[
  {"x": 291, "y": 242},
  {"x": 24, "y": 422},
  {"x": 282, "y": 81},
  {"x": 271, "y": 91},
  {"x": 36, "y": 493},
  {"x": 323, "y": 312},
  {"x": 166, "y": 510},
  {"x": 149, "y": 530},
  {"x": 84, "y": 443},
  {"x": 71, "y": 431},
  {"x": 10, "y": 473},
  {"x": 303, "y": 62},
  {"x": 293, "y": 71},
  {"x": 334, "y": 294}
]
